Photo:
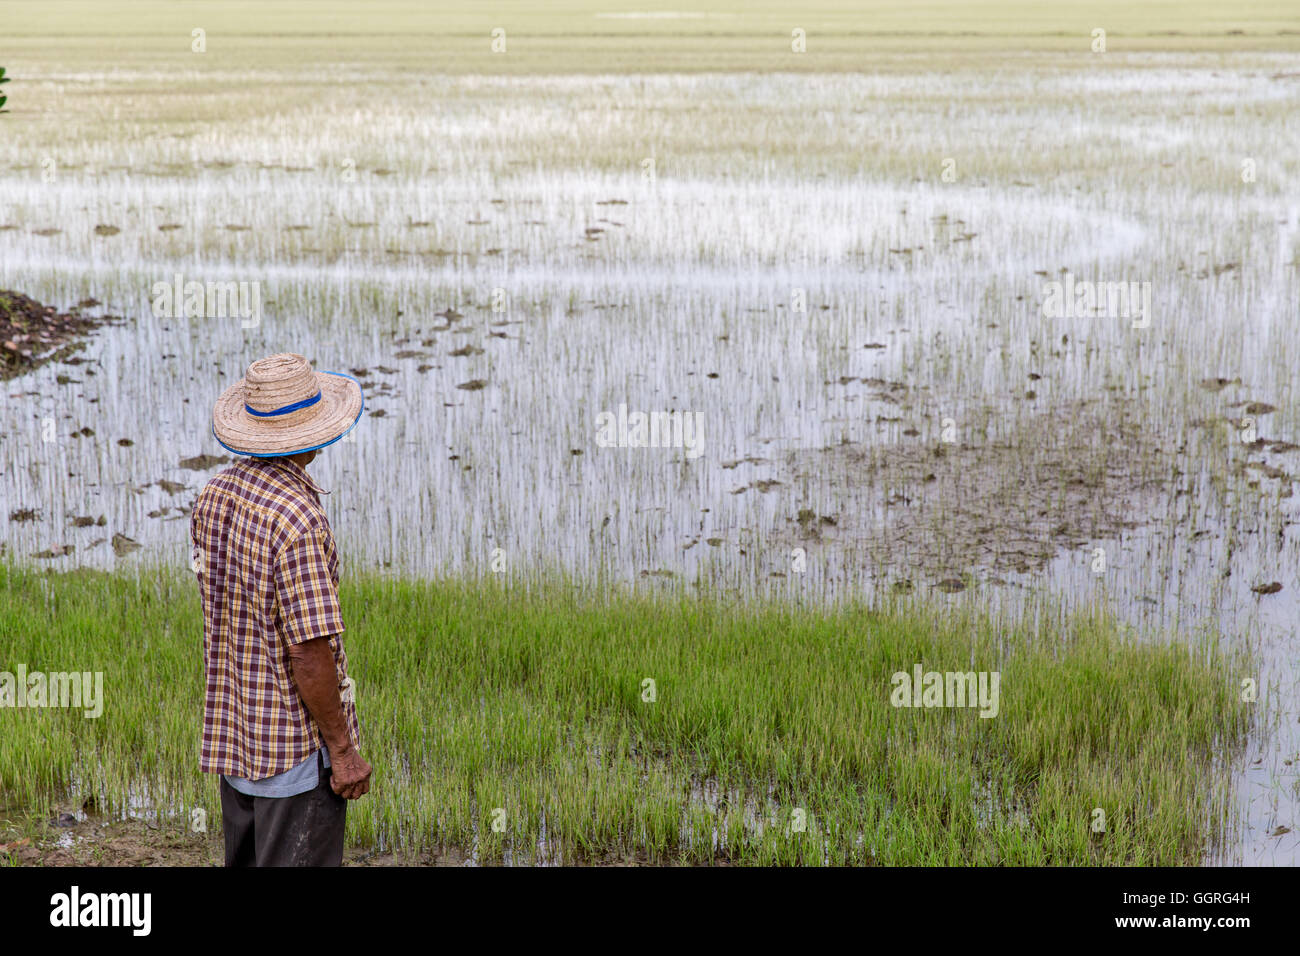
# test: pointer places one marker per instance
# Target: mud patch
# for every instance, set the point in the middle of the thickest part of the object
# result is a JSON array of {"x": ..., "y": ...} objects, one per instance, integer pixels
[
  {"x": 81, "y": 841},
  {"x": 1064, "y": 477},
  {"x": 87, "y": 842},
  {"x": 32, "y": 334}
]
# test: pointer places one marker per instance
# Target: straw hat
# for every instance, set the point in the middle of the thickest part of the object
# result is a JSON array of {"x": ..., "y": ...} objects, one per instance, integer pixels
[{"x": 282, "y": 407}]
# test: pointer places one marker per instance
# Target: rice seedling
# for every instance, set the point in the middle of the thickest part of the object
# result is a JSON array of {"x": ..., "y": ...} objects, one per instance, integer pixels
[{"x": 535, "y": 720}]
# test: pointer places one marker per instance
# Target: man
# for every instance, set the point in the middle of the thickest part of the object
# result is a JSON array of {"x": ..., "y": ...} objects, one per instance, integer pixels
[{"x": 279, "y": 722}]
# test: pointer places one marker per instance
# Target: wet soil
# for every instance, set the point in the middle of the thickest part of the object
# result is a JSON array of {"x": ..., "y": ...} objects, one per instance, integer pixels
[
  {"x": 90, "y": 842},
  {"x": 32, "y": 334},
  {"x": 940, "y": 512}
]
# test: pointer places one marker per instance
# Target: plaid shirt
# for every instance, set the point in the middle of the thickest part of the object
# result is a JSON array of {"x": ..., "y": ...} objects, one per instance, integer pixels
[{"x": 268, "y": 578}]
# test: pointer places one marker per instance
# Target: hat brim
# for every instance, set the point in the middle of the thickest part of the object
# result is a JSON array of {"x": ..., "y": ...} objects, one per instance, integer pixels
[{"x": 340, "y": 408}]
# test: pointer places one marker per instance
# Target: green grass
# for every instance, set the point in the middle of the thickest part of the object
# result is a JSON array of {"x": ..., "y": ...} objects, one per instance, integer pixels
[{"x": 480, "y": 695}]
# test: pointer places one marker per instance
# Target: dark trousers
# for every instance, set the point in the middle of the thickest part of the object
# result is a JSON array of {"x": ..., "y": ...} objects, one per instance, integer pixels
[{"x": 306, "y": 830}]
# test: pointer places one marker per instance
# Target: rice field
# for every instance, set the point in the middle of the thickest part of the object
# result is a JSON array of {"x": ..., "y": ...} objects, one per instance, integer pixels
[
  {"x": 535, "y": 722},
  {"x": 837, "y": 265}
]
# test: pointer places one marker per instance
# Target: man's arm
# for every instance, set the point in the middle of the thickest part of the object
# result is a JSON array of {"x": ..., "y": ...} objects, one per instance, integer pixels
[{"x": 312, "y": 664}]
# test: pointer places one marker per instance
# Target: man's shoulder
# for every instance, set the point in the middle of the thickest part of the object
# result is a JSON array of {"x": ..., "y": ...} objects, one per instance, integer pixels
[{"x": 259, "y": 486}]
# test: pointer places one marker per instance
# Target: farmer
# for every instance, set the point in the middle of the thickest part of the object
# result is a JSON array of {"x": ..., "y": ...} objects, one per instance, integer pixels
[{"x": 279, "y": 722}]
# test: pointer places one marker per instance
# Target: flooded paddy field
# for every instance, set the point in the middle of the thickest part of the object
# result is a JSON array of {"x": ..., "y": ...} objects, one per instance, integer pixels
[{"x": 847, "y": 291}]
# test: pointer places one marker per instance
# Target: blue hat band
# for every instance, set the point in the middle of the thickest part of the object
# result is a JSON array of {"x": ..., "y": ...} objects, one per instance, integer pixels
[{"x": 284, "y": 409}]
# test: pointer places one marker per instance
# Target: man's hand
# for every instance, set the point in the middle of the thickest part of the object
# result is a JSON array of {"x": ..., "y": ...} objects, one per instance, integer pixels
[
  {"x": 314, "y": 672},
  {"x": 350, "y": 774}
]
